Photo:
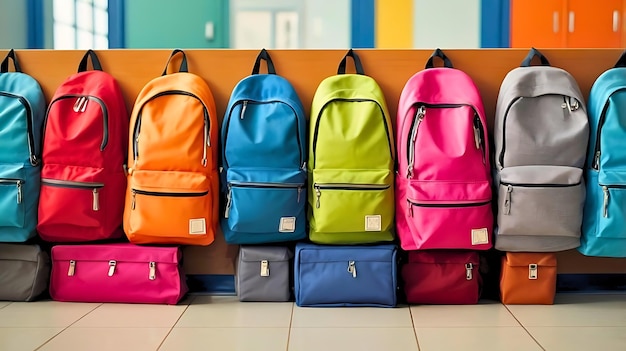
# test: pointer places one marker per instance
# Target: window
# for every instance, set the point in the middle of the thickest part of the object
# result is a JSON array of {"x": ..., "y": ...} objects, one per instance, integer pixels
[{"x": 81, "y": 24}]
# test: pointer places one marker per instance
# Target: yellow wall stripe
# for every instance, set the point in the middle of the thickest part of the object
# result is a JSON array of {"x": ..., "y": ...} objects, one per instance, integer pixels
[{"x": 394, "y": 24}]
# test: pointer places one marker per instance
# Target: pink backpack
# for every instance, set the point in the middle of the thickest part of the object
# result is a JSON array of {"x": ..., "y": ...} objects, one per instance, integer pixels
[{"x": 443, "y": 185}]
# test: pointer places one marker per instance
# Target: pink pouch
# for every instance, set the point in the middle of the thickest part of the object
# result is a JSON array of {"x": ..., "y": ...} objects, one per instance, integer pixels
[{"x": 123, "y": 273}]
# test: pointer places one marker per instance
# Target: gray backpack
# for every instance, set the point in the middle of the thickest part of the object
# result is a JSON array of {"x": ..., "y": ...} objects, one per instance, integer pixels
[
  {"x": 24, "y": 272},
  {"x": 541, "y": 133}
]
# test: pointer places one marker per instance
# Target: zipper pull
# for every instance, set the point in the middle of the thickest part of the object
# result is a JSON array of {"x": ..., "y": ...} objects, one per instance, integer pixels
[
  {"x": 77, "y": 104},
  {"x": 421, "y": 113},
  {"x": 229, "y": 199},
  {"x": 532, "y": 271},
  {"x": 133, "y": 200},
  {"x": 352, "y": 268},
  {"x": 152, "y": 275},
  {"x": 299, "y": 192},
  {"x": 596, "y": 161},
  {"x": 318, "y": 194},
  {"x": 96, "y": 200},
  {"x": 243, "y": 109},
  {"x": 507, "y": 200},
  {"x": 410, "y": 207},
  {"x": 112, "y": 265},
  {"x": 207, "y": 142},
  {"x": 70, "y": 271},
  {"x": 468, "y": 271},
  {"x": 477, "y": 138},
  {"x": 605, "y": 189},
  {"x": 19, "y": 191},
  {"x": 265, "y": 268}
]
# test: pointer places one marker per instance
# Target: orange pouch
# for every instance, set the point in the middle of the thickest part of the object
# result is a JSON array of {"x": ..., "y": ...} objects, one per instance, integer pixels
[{"x": 528, "y": 278}]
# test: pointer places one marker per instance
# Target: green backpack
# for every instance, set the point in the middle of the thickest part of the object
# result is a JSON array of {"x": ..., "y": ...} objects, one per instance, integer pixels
[{"x": 351, "y": 161}]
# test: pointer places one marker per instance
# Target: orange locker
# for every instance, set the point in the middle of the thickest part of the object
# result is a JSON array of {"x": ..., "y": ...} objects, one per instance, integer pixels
[{"x": 567, "y": 23}]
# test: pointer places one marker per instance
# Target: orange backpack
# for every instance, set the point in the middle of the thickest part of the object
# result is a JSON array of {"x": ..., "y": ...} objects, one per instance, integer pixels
[{"x": 172, "y": 194}]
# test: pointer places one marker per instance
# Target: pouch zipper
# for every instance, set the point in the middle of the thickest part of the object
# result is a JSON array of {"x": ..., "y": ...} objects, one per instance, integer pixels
[
  {"x": 345, "y": 186},
  {"x": 229, "y": 196},
  {"x": 207, "y": 124},
  {"x": 244, "y": 106},
  {"x": 18, "y": 184},
  {"x": 134, "y": 193},
  {"x": 317, "y": 123},
  {"x": 94, "y": 187},
  {"x": 411, "y": 203},
  {"x": 607, "y": 197},
  {"x": 469, "y": 274},
  {"x": 34, "y": 160},
  {"x": 79, "y": 107},
  {"x": 567, "y": 103},
  {"x": 420, "y": 113}
]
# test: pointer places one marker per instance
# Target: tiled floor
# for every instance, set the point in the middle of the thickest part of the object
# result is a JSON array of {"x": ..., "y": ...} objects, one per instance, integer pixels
[{"x": 575, "y": 322}]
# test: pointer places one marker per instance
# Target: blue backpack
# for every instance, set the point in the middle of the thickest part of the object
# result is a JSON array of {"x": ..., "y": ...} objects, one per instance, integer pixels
[
  {"x": 604, "y": 220},
  {"x": 264, "y": 160},
  {"x": 22, "y": 111}
]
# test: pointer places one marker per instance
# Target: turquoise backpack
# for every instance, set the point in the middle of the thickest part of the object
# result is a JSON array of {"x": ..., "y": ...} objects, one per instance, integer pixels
[
  {"x": 604, "y": 221},
  {"x": 22, "y": 111}
]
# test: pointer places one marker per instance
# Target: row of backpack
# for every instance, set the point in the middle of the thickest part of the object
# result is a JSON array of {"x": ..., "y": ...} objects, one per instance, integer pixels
[{"x": 98, "y": 171}]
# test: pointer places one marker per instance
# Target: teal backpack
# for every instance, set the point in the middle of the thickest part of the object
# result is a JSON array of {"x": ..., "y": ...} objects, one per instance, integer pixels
[
  {"x": 604, "y": 220},
  {"x": 22, "y": 111}
]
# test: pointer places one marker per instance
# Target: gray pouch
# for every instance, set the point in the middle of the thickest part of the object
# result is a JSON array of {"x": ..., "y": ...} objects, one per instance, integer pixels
[
  {"x": 264, "y": 273},
  {"x": 24, "y": 272}
]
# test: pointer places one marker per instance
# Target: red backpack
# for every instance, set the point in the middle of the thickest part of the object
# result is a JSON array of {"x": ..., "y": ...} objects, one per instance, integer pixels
[{"x": 85, "y": 145}]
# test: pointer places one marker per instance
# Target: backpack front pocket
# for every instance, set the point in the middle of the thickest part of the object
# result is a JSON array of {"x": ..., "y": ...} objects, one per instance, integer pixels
[
  {"x": 265, "y": 207},
  {"x": 11, "y": 202},
  {"x": 70, "y": 203},
  {"x": 612, "y": 223},
  {"x": 541, "y": 200},
  {"x": 169, "y": 204}
]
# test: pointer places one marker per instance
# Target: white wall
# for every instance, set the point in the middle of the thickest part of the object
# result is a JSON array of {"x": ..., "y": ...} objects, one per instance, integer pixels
[
  {"x": 13, "y": 25},
  {"x": 451, "y": 24},
  {"x": 327, "y": 24}
]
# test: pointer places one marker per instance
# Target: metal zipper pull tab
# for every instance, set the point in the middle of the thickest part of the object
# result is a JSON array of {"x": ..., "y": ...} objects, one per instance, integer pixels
[
  {"x": 421, "y": 113},
  {"x": 477, "y": 140},
  {"x": 532, "y": 271},
  {"x": 243, "y": 109},
  {"x": 19, "y": 191},
  {"x": 96, "y": 199},
  {"x": 84, "y": 106},
  {"x": 507, "y": 200},
  {"x": 207, "y": 142},
  {"x": 352, "y": 268},
  {"x": 229, "y": 200},
  {"x": 299, "y": 193},
  {"x": 410, "y": 207},
  {"x": 72, "y": 269},
  {"x": 77, "y": 104},
  {"x": 112, "y": 265},
  {"x": 607, "y": 195},
  {"x": 596, "y": 160},
  {"x": 133, "y": 200},
  {"x": 318, "y": 194},
  {"x": 152, "y": 275},
  {"x": 468, "y": 271},
  {"x": 265, "y": 268}
]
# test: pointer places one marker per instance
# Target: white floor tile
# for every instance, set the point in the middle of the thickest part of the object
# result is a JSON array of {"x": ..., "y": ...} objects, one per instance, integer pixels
[
  {"x": 482, "y": 338},
  {"x": 4, "y": 304},
  {"x": 580, "y": 338},
  {"x": 43, "y": 314},
  {"x": 107, "y": 339},
  {"x": 227, "y": 312},
  {"x": 350, "y": 317},
  {"x": 25, "y": 339},
  {"x": 226, "y": 339},
  {"x": 482, "y": 315},
  {"x": 574, "y": 310},
  {"x": 132, "y": 316},
  {"x": 361, "y": 339}
]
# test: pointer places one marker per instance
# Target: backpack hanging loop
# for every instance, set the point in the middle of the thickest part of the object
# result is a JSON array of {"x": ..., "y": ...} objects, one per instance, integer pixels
[
  {"x": 82, "y": 67},
  {"x": 531, "y": 54},
  {"x": 4, "y": 67},
  {"x": 183, "y": 63},
  {"x": 357, "y": 63},
  {"x": 447, "y": 63},
  {"x": 264, "y": 55}
]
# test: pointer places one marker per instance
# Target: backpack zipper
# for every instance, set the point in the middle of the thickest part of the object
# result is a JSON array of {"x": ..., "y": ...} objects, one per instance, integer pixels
[
  {"x": 244, "y": 104},
  {"x": 420, "y": 113},
  {"x": 18, "y": 184},
  {"x": 34, "y": 161},
  {"x": 411, "y": 203},
  {"x": 207, "y": 124},
  {"x": 229, "y": 196},
  {"x": 80, "y": 106},
  {"x": 509, "y": 191},
  {"x": 597, "y": 152},
  {"x": 345, "y": 186},
  {"x": 317, "y": 123},
  {"x": 94, "y": 187},
  {"x": 134, "y": 192}
]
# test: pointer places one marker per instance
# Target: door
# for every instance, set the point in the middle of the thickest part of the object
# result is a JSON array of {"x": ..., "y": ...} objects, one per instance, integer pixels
[
  {"x": 538, "y": 23},
  {"x": 594, "y": 24}
]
